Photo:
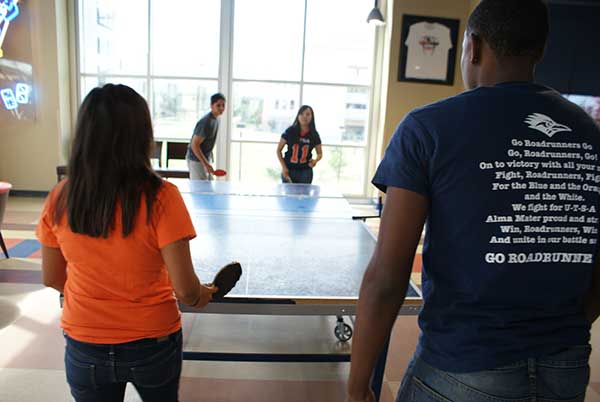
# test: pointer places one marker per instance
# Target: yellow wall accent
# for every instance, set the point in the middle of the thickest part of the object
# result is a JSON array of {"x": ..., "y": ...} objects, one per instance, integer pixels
[{"x": 402, "y": 97}]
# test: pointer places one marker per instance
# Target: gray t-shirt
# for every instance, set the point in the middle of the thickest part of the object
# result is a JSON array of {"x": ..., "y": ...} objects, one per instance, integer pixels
[{"x": 207, "y": 128}]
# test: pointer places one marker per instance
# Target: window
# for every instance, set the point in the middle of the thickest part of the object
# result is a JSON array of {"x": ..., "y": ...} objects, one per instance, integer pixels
[
  {"x": 113, "y": 38},
  {"x": 148, "y": 45},
  {"x": 268, "y": 57},
  {"x": 304, "y": 57}
]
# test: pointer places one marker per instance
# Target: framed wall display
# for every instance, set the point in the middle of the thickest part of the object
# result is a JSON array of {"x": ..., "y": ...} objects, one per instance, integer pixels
[{"x": 428, "y": 49}]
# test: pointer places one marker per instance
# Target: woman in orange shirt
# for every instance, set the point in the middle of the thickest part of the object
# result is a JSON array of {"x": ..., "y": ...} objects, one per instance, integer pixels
[{"x": 115, "y": 240}]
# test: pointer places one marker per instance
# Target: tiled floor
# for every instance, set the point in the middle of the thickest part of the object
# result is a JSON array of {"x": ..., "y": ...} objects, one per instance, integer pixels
[{"x": 31, "y": 366}]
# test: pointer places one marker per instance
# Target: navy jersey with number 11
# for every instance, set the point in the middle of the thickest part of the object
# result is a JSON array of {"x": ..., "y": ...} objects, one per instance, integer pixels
[{"x": 299, "y": 147}]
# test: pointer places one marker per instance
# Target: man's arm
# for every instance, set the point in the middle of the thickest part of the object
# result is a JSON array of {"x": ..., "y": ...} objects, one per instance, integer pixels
[
  {"x": 196, "y": 141},
  {"x": 592, "y": 300},
  {"x": 54, "y": 268},
  {"x": 384, "y": 284}
]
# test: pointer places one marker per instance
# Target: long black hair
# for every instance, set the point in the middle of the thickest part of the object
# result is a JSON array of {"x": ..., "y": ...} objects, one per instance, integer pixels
[
  {"x": 296, "y": 125},
  {"x": 109, "y": 163}
]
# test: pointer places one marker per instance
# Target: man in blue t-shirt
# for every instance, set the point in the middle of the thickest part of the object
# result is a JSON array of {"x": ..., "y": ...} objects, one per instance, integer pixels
[{"x": 506, "y": 178}]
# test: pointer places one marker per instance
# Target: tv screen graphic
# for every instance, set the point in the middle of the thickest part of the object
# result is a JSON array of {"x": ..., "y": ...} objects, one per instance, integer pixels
[{"x": 591, "y": 104}]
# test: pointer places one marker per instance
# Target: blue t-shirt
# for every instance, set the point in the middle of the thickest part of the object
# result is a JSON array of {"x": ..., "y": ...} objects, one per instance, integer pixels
[{"x": 512, "y": 176}]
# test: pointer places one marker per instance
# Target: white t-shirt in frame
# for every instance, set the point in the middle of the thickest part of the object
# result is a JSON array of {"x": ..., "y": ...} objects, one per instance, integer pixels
[{"x": 428, "y": 45}]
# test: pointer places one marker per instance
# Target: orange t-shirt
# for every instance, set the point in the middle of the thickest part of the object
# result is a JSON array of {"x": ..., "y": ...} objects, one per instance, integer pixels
[{"x": 118, "y": 289}]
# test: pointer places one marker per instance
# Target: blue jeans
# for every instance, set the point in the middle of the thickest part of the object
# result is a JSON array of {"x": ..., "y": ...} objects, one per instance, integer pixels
[
  {"x": 304, "y": 175},
  {"x": 561, "y": 377},
  {"x": 99, "y": 373}
]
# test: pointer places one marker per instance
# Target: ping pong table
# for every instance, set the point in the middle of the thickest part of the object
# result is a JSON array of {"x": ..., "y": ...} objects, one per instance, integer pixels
[{"x": 301, "y": 253}]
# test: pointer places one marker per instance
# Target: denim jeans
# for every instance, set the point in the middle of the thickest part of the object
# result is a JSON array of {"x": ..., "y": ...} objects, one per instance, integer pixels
[
  {"x": 561, "y": 377},
  {"x": 99, "y": 373},
  {"x": 304, "y": 175}
]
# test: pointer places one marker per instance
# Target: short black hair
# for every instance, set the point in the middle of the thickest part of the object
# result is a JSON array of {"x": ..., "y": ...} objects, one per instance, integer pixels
[
  {"x": 217, "y": 97},
  {"x": 512, "y": 28}
]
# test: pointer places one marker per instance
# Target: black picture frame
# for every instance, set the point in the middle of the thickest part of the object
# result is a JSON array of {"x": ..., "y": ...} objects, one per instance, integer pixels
[{"x": 413, "y": 75}]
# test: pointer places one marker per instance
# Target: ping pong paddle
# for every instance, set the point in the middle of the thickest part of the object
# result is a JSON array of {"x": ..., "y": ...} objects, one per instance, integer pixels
[
  {"x": 226, "y": 279},
  {"x": 220, "y": 172},
  {"x": 287, "y": 179}
]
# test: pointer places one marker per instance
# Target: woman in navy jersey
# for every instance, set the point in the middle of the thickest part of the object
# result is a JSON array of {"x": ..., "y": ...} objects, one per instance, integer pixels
[{"x": 301, "y": 137}]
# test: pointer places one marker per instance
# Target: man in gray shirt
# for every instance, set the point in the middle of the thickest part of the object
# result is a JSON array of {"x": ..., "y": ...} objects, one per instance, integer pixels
[{"x": 199, "y": 154}]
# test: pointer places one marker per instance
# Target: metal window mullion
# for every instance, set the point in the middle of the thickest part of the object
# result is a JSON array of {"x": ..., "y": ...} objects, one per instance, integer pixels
[
  {"x": 377, "y": 91},
  {"x": 75, "y": 38},
  {"x": 303, "y": 53},
  {"x": 374, "y": 121},
  {"x": 149, "y": 61},
  {"x": 225, "y": 79}
]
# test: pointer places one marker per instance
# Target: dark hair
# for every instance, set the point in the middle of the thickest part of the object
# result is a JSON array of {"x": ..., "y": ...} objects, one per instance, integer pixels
[
  {"x": 217, "y": 97},
  {"x": 313, "y": 127},
  {"x": 512, "y": 27},
  {"x": 109, "y": 163}
]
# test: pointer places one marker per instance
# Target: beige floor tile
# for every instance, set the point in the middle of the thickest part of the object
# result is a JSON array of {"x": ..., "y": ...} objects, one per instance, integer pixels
[
  {"x": 25, "y": 204},
  {"x": 25, "y": 264},
  {"x": 592, "y": 396},
  {"x": 18, "y": 234},
  {"x": 257, "y": 334},
  {"x": 595, "y": 357},
  {"x": 29, "y": 385},
  {"x": 393, "y": 386},
  {"x": 267, "y": 371}
]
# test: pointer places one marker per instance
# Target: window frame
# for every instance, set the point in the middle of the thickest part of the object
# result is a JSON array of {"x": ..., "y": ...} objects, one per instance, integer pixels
[{"x": 225, "y": 82}]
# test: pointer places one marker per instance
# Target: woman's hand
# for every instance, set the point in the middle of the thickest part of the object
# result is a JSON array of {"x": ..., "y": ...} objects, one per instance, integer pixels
[
  {"x": 285, "y": 172},
  {"x": 312, "y": 163},
  {"x": 206, "y": 292}
]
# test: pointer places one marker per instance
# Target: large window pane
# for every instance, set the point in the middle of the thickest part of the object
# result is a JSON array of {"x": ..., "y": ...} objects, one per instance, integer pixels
[
  {"x": 261, "y": 111},
  {"x": 178, "y": 104},
  {"x": 137, "y": 84},
  {"x": 341, "y": 113},
  {"x": 254, "y": 163},
  {"x": 185, "y": 38},
  {"x": 113, "y": 36},
  {"x": 339, "y": 42},
  {"x": 268, "y": 39},
  {"x": 342, "y": 169}
]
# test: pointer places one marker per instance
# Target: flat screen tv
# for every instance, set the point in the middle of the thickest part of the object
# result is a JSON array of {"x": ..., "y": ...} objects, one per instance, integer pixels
[{"x": 591, "y": 104}]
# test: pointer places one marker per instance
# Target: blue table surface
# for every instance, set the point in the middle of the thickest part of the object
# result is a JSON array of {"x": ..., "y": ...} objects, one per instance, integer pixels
[
  {"x": 291, "y": 241},
  {"x": 260, "y": 189},
  {"x": 270, "y": 206}
]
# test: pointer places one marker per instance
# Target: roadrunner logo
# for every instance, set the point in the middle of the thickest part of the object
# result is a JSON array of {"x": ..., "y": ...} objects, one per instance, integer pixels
[{"x": 545, "y": 124}]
